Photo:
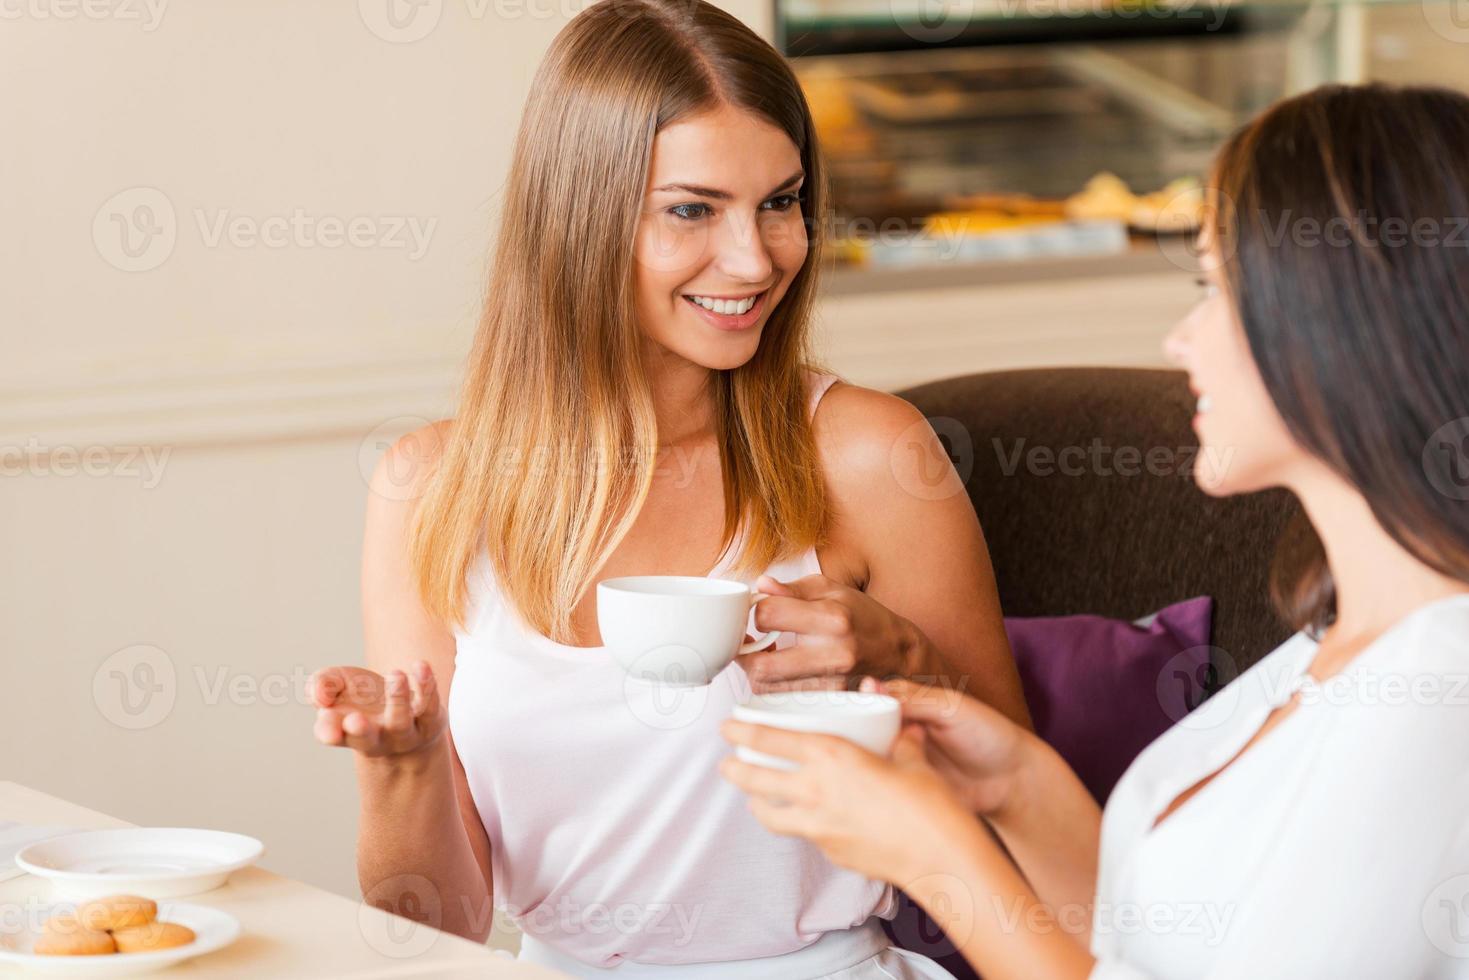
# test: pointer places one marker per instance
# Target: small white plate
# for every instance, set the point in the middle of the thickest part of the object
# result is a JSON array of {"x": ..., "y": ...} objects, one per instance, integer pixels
[
  {"x": 213, "y": 930},
  {"x": 158, "y": 862}
]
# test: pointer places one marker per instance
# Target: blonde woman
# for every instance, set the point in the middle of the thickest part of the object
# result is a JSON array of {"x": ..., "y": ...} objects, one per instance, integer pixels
[{"x": 639, "y": 401}]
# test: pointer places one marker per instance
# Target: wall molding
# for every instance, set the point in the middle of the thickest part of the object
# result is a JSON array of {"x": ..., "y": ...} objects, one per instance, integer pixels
[{"x": 225, "y": 401}]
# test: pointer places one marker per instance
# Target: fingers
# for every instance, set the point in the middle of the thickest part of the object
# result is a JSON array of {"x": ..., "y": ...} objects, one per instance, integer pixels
[
  {"x": 328, "y": 726},
  {"x": 818, "y": 616},
  {"x": 908, "y": 750},
  {"x": 771, "y": 586},
  {"x": 397, "y": 704},
  {"x": 362, "y": 734},
  {"x": 924, "y": 702},
  {"x": 326, "y": 685},
  {"x": 805, "y": 659},
  {"x": 799, "y": 747},
  {"x": 425, "y": 690},
  {"x": 349, "y": 729},
  {"x": 763, "y": 781},
  {"x": 810, "y": 587},
  {"x": 835, "y": 682}
]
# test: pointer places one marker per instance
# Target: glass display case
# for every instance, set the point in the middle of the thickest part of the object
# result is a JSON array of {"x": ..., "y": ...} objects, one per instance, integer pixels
[{"x": 981, "y": 129}]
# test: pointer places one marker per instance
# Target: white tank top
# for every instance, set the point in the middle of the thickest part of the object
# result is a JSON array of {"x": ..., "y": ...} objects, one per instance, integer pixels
[{"x": 613, "y": 835}]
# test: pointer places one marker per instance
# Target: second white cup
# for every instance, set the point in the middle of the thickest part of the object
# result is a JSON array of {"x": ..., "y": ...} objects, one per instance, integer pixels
[{"x": 868, "y": 719}]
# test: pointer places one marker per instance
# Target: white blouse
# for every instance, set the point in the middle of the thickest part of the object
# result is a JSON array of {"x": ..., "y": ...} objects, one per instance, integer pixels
[{"x": 1336, "y": 847}]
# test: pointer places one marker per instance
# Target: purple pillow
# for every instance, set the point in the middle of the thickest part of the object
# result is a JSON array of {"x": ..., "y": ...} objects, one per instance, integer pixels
[{"x": 1099, "y": 691}]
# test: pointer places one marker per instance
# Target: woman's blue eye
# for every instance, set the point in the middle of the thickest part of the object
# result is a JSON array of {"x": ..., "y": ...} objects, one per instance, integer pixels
[
  {"x": 683, "y": 211},
  {"x": 782, "y": 203}
]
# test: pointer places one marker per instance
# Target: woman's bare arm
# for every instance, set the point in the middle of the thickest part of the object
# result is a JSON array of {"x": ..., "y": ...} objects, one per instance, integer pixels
[
  {"x": 906, "y": 532},
  {"x": 418, "y": 821}
]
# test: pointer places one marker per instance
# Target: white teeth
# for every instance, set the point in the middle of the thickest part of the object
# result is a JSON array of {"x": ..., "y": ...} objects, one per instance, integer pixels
[
  {"x": 728, "y": 307},
  {"x": 1204, "y": 404}
]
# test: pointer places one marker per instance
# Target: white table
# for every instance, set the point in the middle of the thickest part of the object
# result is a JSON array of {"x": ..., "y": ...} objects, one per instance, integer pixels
[{"x": 288, "y": 929}]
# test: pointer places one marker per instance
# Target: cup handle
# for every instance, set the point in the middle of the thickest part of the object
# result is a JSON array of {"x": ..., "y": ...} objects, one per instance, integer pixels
[{"x": 762, "y": 642}]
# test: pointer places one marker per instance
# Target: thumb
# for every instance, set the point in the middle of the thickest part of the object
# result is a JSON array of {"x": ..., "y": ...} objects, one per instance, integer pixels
[
  {"x": 811, "y": 587},
  {"x": 908, "y": 749},
  {"x": 770, "y": 586}
]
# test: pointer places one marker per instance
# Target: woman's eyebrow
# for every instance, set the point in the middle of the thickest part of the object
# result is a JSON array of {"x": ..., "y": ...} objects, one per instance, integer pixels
[{"x": 719, "y": 195}]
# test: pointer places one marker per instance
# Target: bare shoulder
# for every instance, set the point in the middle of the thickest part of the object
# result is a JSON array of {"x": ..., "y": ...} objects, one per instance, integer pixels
[
  {"x": 873, "y": 443},
  {"x": 403, "y": 469}
]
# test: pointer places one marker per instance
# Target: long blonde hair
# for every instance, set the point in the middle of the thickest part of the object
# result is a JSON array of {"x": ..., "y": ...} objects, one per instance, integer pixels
[{"x": 553, "y": 448}]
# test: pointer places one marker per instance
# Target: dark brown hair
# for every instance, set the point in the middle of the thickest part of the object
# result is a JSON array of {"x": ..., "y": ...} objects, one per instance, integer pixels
[{"x": 1343, "y": 223}]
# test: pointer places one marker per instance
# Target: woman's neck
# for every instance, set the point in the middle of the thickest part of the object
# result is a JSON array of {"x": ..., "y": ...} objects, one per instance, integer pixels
[
  {"x": 681, "y": 398},
  {"x": 1377, "y": 580}
]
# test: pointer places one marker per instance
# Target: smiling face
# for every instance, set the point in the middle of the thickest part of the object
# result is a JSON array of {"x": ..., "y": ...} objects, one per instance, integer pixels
[
  {"x": 1244, "y": 443},
  {"x": 721, "y": 235}
]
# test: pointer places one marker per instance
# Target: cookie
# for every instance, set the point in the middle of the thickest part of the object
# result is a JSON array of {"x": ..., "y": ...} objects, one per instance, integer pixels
[
  {"x": 74, "y": 942},
  {"x": 62, "y": 924},
  {"x": 152, "y": 937},
  {"x": 117, "y": 912}
]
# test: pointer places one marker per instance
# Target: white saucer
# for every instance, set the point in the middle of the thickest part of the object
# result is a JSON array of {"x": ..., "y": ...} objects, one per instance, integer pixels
[
  {"x": 157, "y": 862},
  {"x": 213, "y": 930}
]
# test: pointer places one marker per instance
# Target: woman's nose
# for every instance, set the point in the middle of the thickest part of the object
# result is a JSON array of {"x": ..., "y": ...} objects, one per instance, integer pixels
[
  {"x": 743, "y": 254},
  {"x": 1176, "y": 347}
]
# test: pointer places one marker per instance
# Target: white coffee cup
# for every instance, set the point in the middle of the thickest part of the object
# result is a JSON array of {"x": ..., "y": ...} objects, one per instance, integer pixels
[
  {"x": 678, "y": 630},
  {"x": 869, "y": 719}
]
